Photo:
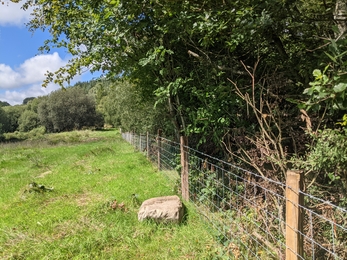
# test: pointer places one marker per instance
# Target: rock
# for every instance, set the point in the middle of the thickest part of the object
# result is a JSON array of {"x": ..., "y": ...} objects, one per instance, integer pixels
[
  {"x": 167, "y": 209},
  {"x": 34, "y": 187}
]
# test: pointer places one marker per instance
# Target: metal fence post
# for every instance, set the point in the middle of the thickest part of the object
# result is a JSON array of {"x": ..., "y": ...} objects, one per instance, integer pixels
[
  {"x": 184, "y": 170},
  {"x": 294, "y": 217}
]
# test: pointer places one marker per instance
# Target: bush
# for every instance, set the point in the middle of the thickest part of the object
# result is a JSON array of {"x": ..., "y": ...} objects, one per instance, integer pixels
[
  {"x": 36, "y": 133},
  {"x": 325, "y": 164}
]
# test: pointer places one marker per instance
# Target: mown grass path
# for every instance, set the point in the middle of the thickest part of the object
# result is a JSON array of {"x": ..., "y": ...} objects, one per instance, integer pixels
[{"x": 88, "y": 171}]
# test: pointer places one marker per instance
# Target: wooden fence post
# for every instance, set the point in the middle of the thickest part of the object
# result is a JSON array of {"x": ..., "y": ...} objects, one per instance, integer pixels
[
  {"x": 184, "y": 169},
  {"x": 294, "y": 216},
  {"x": 147, "y": 144},
  {"x": 140, "y": 143},
  {"x": 159, "y": 148}
]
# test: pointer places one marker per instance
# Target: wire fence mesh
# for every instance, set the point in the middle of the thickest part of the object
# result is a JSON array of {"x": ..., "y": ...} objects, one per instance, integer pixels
[{"x": 247, "y": 210}]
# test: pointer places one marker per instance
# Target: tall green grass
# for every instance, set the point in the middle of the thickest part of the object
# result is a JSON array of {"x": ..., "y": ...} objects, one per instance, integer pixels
[{"x": 88, "y": 171}]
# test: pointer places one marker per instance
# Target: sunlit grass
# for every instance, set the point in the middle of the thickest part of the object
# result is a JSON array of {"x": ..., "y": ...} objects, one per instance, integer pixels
[{"x": 88, "y": 170}]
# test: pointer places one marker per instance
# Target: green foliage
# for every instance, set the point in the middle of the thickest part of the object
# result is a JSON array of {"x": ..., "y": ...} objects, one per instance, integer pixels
[
  {"x": 13, "y": 114},
  {"x": 124, "y": 107},
  {"x": 68, "y": 109},
  {"x": 4, "y": 104},
  {"x": 218, "y": 71},
  {"x": 184, "y": 52},
  {"x": 26, "y": 100},
  {"x": 208, "y": 189},
  {"x": 28, "y": 121},
  {"x": 36, "y": 133},
  {"x": 326, "y": 161},
  {"x": 33, "y": 104},
  {"x": 329, "y": 86},
  {"x": 3, "y": 121},
  {"x": 344, "y": 121}
]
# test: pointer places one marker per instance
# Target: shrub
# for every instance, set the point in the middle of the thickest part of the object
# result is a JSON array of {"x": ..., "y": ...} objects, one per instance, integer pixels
[{"x": 326, "y": 162}]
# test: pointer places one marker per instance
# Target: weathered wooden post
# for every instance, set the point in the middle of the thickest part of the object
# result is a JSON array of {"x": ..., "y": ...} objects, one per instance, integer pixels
[
  {"x": 294, "y": 216},
  {"x": 147, "y": 144},
  {"x": 184, "y": 169},
  {"x": 159, "y": 148},
  {"x": 140, "y": 144}
]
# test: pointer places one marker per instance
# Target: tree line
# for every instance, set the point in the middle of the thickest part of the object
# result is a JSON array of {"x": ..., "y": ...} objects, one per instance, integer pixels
[
  {"x": 84, "y": 105},
  {"x": 260, "y": 83},
  {"x": 63, "y": 110}
]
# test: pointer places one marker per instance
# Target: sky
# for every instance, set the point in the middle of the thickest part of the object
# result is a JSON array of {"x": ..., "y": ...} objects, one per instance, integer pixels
[{"x": 22, "y": 67}]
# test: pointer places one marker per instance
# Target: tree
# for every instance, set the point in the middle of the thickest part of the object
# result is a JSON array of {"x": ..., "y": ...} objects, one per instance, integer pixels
[
  {"x": 26, "y": 100},
  {"x": 124, "y": 107},
  {"x": 28, "y": 121},
  {"x": 13, "y": 114},
  {"x": 4, "y": 104},
  {"x": 68, "y": 109},
  {"x": 3, "y": 121},
  {"x": 33, "y": 104},
  {"x": 224, "y": 70}
]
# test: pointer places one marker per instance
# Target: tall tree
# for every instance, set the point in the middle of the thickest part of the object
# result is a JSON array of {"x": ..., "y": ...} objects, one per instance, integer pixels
[
  {"x": 66, "y": 110},
  {"x": 225, "y": 69},
  {"x": 13, "y": 114}
]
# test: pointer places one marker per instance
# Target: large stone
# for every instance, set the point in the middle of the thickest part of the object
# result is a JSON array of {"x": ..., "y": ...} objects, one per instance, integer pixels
[{"x": 167, "y": 209}]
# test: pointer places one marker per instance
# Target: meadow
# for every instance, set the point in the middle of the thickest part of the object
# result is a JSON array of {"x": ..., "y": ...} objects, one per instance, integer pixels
[{"x": 69, "y": 214}]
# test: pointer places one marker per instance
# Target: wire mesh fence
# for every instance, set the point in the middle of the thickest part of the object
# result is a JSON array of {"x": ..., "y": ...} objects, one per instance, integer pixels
[{"x": 251, "y": 214}]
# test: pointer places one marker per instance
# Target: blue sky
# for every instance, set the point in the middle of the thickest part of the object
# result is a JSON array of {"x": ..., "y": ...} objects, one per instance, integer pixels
[{"x": 22, "y": 67}]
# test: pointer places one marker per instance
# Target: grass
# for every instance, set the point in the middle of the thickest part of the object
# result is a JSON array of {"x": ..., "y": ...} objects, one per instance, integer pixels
[{"x": 88, "y": 171}]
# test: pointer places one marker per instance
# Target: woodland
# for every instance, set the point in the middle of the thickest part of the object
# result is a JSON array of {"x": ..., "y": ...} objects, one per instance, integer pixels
[{"x": 261, "y": 84}]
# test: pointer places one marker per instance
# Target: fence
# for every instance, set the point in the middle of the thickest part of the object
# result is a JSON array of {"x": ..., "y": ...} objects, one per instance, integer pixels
[{"x": 254, "y": 217}]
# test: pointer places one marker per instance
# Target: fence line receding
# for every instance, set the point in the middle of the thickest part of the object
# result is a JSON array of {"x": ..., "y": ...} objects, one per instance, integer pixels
[{"x": 253, "y": 216}]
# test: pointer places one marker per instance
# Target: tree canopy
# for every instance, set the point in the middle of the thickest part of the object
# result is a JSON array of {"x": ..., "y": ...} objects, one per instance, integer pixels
[
  {"x": 4, "y": 104},
  {"x": 188, "y": 51},
  {"x": 66, "y": 110},
  {"x": 256, "y": 78}
]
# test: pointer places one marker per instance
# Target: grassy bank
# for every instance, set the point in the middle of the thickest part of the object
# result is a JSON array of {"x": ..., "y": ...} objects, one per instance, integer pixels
[{"x": 88, "y": 171}]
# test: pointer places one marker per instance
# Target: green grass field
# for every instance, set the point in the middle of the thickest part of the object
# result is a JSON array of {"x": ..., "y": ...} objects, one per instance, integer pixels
[{"x": 88, "y": 170}]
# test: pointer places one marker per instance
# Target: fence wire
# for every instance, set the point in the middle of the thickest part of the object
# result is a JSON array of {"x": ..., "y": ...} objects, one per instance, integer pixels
[{"x": 247, "y": 210}]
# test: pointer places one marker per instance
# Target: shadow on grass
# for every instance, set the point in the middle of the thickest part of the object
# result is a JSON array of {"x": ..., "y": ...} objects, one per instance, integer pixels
[
  {"x": 185, "y": 217},
  {"x": 105, "y": 130}
]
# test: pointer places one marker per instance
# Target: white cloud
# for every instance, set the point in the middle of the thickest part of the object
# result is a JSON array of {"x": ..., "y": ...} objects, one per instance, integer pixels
[
  {"x": 31, "y": 71},
  {"x": 34, "y": 69},
  {"x": 13, "y": 14},
  {"x": 16, "y": 97},
  {"x": 8, "y": 77},
  {"x": 26, "y": 80}
]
